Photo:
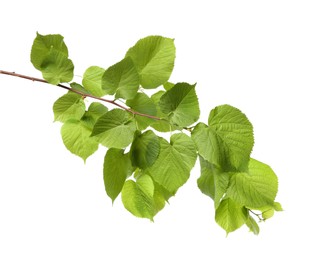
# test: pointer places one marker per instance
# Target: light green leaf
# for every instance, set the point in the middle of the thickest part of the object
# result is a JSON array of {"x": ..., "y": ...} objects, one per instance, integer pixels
[
  {"x": 168, "y": 85},
  {"x": 181, "y": 103},
  {"x": 268, "y": 213},
  {"x": 252, "y": 225},
  {"x": 117, "y": 167},
  {"x": 43, "y": 44},
  {"x": 142, "y": 104},
  {"x": 57, "y": 68},
  {"x": 95, "y": 111},
  {"x": 277, "y": 206},
  {"x": 121, "y": 79},
  {"x": 256, "y": 188},
  {"x": 174, "y": 163},
  {"x": 69, "y": 106},
  {"x": 76, "y": 138},
  {"x": 228, "y": 139},
  {"x": 144, "y": 149},
  {"x": 154, "y": 58},
  {"x": 212, "y": 181},
  {"x": 92, "y": 81},
  {"x": 79, "y": 88},
  {"x": 230, "y": 215},
  {"x": 138, "y": 196},
  {"x": 115, "y": 129}
]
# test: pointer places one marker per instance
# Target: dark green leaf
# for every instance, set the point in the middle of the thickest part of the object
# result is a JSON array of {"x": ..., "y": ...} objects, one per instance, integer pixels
[
  {"x": 121, "y": 79},
  {"x": 117, "y": 167},
  {"x": 213, "y": 182},
  {"x": 144, "y": 149},
  {"x": 154, "y": 58}
]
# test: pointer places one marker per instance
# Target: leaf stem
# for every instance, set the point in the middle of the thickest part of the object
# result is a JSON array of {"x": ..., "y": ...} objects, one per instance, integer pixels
[
  {"x": 80, "y": 93},
  {"x": 257, "y": 215}
]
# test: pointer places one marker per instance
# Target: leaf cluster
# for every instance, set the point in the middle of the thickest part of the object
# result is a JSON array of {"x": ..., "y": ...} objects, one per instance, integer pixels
[{"x": 141, "y": 165}]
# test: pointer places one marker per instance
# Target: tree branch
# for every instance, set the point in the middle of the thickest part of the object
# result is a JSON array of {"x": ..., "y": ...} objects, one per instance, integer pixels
[{"x": 80, "y": 93}]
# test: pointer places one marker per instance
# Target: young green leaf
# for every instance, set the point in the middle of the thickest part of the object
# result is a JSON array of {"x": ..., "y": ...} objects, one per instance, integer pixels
[
  {"x": 117, "y": 167},
  {"x": 121, "y": 79},
  {"x": 268, "y": 213},
  {"x": 43, "y": 44},
  {"x": 277, "y": 206},
  {"x": 228, "y": 139},
  {"x": 138, "y": 196},
  {"x": 252, "y": 225},
  {"x": 181, "y": 103},
  {"x": 69, "y": 106},
  {"x": 174, "y": 163},
  {"x": 230, "y": 215},
  {"x": 143, "y": 104},
  {"x": 255, "y": 188},
  {"x": 212, "y": 181},
  {"x": 92, "y": 81},
  {"x": 145, "y": 149},
  {"x": 154, "y": 58},
  {"x": 76, "y": 138},
  {"x": 115, "y": 129}
]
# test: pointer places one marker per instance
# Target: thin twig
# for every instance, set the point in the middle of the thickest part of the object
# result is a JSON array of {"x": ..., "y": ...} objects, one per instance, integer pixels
[{"x": 81, "y": 93}]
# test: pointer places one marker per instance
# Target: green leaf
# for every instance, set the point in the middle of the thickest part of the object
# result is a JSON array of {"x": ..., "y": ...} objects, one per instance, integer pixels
[
  {"x": 162, "y": 125},
  {"x": 57, "y": 68},
  {"x": 154, "y": 58},
  {"x": 117, "y": 167},
  {"x": 92, "y": 81},
  {"x": 95, "y": 111},
  {"x": 252, "y": 225},
  {"x": 144, "y": 149},
  {"x": 142, "y": 104},
  {"x": 268, "y": 213},
  {"x": 121, "y": 79},
  {"x": 69, "y": 106},
  {"x": 76, "y": 138},
  {"x": 181, "y": 103},
  {"x": 138, "y": 196},
  {"x": 256, "y": 188},
  {"x": 168, "y": 85},
  {"x": 212, "y": 181},
  {"x": 277, "y": 206},
  {"x": 43, "y": 44},
  {"x": 115, "y": 129},
  {"x": 228, "y": 139},
  {"x": 79, "y": 88},
  {"x": 174, "y": 163},
  {"x": 230, "y": 215}
]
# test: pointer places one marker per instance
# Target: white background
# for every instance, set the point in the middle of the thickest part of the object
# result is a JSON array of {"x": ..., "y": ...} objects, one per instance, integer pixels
[{"x": 260, "y": 56}]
